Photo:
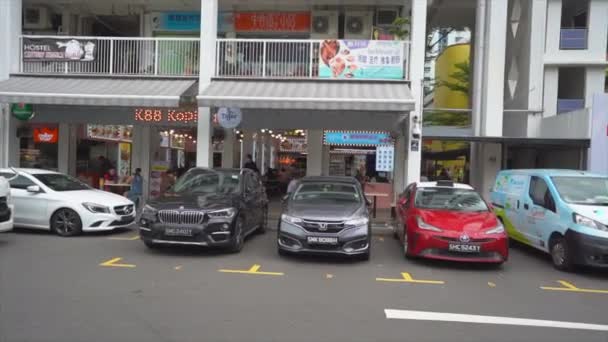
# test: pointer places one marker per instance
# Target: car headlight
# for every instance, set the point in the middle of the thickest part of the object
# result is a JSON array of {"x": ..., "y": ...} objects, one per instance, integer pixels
[
  {"x": 361, "y": 221},
  {"x": 291, "y": 219},
  {"x": 587, "y": 222},
  {"x": 224, "y": 213},
  {"x": 426, "y": 226},
  {"x": 499, "y": 229},
  {"x": 96, "y": 208}
]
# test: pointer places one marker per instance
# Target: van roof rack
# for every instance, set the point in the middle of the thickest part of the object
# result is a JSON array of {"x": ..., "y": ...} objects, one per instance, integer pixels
[{"x": 445, "y": 183}]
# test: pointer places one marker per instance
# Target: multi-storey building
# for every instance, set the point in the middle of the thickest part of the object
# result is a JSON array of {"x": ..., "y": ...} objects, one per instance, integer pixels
[{"x": 166, "y": 82}]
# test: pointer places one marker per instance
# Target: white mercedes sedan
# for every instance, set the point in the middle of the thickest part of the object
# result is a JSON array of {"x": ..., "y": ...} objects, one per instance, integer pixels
[{"x": 54, "y": 201}]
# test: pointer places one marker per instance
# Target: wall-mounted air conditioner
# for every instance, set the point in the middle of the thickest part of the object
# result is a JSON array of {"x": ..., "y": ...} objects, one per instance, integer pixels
[
  {"x": 386, "y": 16},
  {"x": 358, "y": 24},
  {"x": 324, "y": 24},
  {"x": 36, "y": 18}
]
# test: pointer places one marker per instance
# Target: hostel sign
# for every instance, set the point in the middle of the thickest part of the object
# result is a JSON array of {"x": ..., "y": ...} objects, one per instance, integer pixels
[{"x": 58, "y": 49}]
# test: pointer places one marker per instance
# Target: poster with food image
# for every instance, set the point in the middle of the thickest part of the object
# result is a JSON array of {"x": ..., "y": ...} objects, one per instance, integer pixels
[
  {"x": 361, "y": 59},
  {"x": 110, "y": 132}
]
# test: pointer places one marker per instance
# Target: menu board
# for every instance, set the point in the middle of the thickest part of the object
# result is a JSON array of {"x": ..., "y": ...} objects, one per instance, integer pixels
[{"x": 110, "y": 132}]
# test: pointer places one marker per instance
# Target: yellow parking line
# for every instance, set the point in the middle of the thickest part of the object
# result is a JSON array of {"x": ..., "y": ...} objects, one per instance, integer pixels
[
  {"x": 131, "y": 238},
  {"x": 114, "y": 263},
  {"x": 177, "y": 268},
  {"x": 569, "y": 287},
  {"x": 381, "y": 239},
  {"x": 329, "y": 276},
  {"x": 491, "y": 284},
  {"x": 407, "y": 278},
  {"x": 253, "y": 270}
]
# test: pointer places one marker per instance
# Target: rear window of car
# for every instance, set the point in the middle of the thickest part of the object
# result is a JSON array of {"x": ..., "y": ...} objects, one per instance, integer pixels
[{"x": 449, "y": 199}]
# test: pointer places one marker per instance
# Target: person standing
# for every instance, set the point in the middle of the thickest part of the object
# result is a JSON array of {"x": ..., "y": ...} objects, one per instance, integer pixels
[
  {"x": 137, "y": 188},
  {"x": 250, "y": 164}
]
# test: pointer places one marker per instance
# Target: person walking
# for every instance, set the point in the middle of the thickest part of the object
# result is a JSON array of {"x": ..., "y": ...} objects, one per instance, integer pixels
[{"x": 250, "y": 164}]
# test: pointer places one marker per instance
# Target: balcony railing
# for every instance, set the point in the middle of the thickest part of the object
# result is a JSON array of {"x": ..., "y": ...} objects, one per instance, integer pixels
[
  {"x": 274, "y": 58},
  {"x": 573, "y": 39},
  {"x": 569, "y": 105},
  {"x": 133, "y": 56}
]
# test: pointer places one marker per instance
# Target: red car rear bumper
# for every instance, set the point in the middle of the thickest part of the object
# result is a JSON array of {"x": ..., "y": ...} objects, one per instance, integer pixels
[{"x": 493, "y": 248}]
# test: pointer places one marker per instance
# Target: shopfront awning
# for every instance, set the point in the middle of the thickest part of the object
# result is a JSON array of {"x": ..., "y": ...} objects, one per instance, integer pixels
[
  {"x": 88, "y": 91},
  {"x": 308, "y": 94}
]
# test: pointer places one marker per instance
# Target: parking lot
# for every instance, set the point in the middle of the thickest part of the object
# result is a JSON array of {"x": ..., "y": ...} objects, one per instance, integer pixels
[{"x": 106, "y": 287}]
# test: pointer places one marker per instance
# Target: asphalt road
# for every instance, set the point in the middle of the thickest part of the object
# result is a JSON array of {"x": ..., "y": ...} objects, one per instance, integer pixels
[{"x": 56, "y": 289}]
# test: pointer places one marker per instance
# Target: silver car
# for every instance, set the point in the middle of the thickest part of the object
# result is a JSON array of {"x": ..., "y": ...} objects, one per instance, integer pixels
[{"x": 326, "y": 215}]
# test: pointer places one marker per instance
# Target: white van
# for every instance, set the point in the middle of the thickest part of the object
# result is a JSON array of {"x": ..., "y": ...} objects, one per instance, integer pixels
[
  {"x": 6, "y": 206},
  {"x": 561, "y": 212}
]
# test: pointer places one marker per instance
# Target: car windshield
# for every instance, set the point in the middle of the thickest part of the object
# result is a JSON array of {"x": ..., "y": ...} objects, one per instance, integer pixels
[
  {"x": 207, "y": 181},
  {"x": 449, "y": 199},
  {"x": 583, "y": 190},
  {"x": 315, "y": 192},
  {"x": 60, "y": 182}
]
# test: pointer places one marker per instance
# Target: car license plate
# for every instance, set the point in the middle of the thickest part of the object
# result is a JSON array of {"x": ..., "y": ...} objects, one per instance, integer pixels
[
  {"x": 323, "y": 240},
  {"x": 178, "y": 231},
  {"x": 453, "y": 247}
]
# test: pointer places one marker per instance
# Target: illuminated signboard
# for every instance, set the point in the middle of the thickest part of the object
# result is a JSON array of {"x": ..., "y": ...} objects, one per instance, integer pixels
[
  {"x": 164, "y": 115},
  {"x": 357, "y": 138}
]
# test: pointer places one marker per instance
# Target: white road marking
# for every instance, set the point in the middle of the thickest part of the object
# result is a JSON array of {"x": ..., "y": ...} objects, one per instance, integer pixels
[{"x": 451, "y": 317}]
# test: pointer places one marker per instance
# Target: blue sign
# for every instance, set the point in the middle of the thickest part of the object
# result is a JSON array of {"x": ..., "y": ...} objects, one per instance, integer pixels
[
  {"x": 189, "y": 21},
  {"x": 357, "y": 138}
]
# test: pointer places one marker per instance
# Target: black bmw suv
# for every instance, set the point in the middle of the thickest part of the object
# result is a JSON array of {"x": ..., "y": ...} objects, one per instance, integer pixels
[{"x": 207, "y": 207}]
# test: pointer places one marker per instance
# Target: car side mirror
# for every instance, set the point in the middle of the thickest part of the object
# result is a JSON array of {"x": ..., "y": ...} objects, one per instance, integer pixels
[{"x": 34, "y": 189}]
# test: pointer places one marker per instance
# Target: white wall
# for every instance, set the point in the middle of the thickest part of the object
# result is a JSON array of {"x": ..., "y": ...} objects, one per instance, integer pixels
[
  {"x": 550, "y": 90},
  {"x": 571, "y": 125}
]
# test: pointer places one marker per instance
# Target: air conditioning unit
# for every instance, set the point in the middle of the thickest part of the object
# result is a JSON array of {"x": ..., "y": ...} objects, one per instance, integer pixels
[
  {"x": 358, "y": 24},
  {"x": 324, "y": 24},
  {"x": 386, "y": 16},
  {"x": 36, "y": 18}
]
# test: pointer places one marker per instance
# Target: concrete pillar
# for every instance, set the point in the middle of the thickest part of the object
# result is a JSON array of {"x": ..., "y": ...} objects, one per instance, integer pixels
[
  {"x": 550, "y": 92},
  {"x": 598, "y": 29},
  {"x": 204, "y": 147},
  {"x": 417, "y": 61},
  {"x": 489, "y": 159},
  {"x": 67, "y": 149},
  {"x": 538, "y": 22},
  {"x": 263, "y": 154},
  {"x": 594, "y": 83},
  {"x": 325, "y": 161},
  {"x": 554, "y": 25},
  {"x": 314, "y": 161},
  {"x": 399, "y": 181},
  {"x": 228, "y": 153}
]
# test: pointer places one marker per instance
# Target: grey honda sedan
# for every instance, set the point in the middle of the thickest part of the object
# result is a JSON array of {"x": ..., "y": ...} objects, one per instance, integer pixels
[{"x": 325, "y": 215}]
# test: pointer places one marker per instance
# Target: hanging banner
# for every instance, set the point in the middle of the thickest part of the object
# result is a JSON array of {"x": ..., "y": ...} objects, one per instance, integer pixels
[
  {"x": 384, "y": 158},
  {"x": 361, "y": 59},
  {"x": 58, "y": 49},
  {"x": 346, "y": 138},
  {"x": 272, "y": 21}
]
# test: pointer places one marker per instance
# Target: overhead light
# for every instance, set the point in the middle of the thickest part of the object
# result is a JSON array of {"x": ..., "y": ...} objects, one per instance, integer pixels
[
  {"x": 194, "y": 141},
  {"x": 262, "y": 130},
  {"x": 270, "y": 131}
]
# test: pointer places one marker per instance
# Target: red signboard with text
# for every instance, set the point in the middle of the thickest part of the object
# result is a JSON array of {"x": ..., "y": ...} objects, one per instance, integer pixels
[
  {"x": 46, "y": 135},
  {"x": 272, "y": 21}
]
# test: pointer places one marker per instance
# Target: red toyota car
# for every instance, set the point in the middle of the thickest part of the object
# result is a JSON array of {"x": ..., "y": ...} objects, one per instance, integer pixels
[{"x": 449, "y": 221}]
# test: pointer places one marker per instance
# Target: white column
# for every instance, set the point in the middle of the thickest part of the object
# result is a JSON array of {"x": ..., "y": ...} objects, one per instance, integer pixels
[
  {"x": 228, "y": 152},
  {"x": 209, "y": 13},
  {"x": 537, "y": 21},
  {"x": 594, "y": 83},
  {"x": 417, "y": 60},
  {"x": 400, "y": 164},
  {"x": 67, "y": 149},
  {"x": 314, "y": 159},
  {"x": 273, "y": 155},
  {"x": 10, "y": 30},
  {"x": 325, "y": 160},
  {"x": 142, "y": 151},
  {"x": 598, "y": 28},
  {"x": 554, "y": 25},
  {"x": 550, "y": 92},
  {"x": 263, "y": 154}
]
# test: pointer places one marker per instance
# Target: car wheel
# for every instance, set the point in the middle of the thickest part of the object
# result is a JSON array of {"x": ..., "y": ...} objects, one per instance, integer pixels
[
  {"x": 150, "y": 244},
  {"x": 560, "y": 254},
  {"x": 406, "y": 247},
  {"x": 239, "y": 238},
  {"x": 264, "y": 223},
  {"x": 66, "y": 222}
]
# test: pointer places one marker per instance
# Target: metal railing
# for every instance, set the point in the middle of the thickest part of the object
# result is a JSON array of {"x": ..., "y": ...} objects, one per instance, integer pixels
[
  {"x": 129, "y": 56},
  {"x": 275, "y": 58},
  {"x": 569, "y": 105},
  {"x": 573, "y": 38}
]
